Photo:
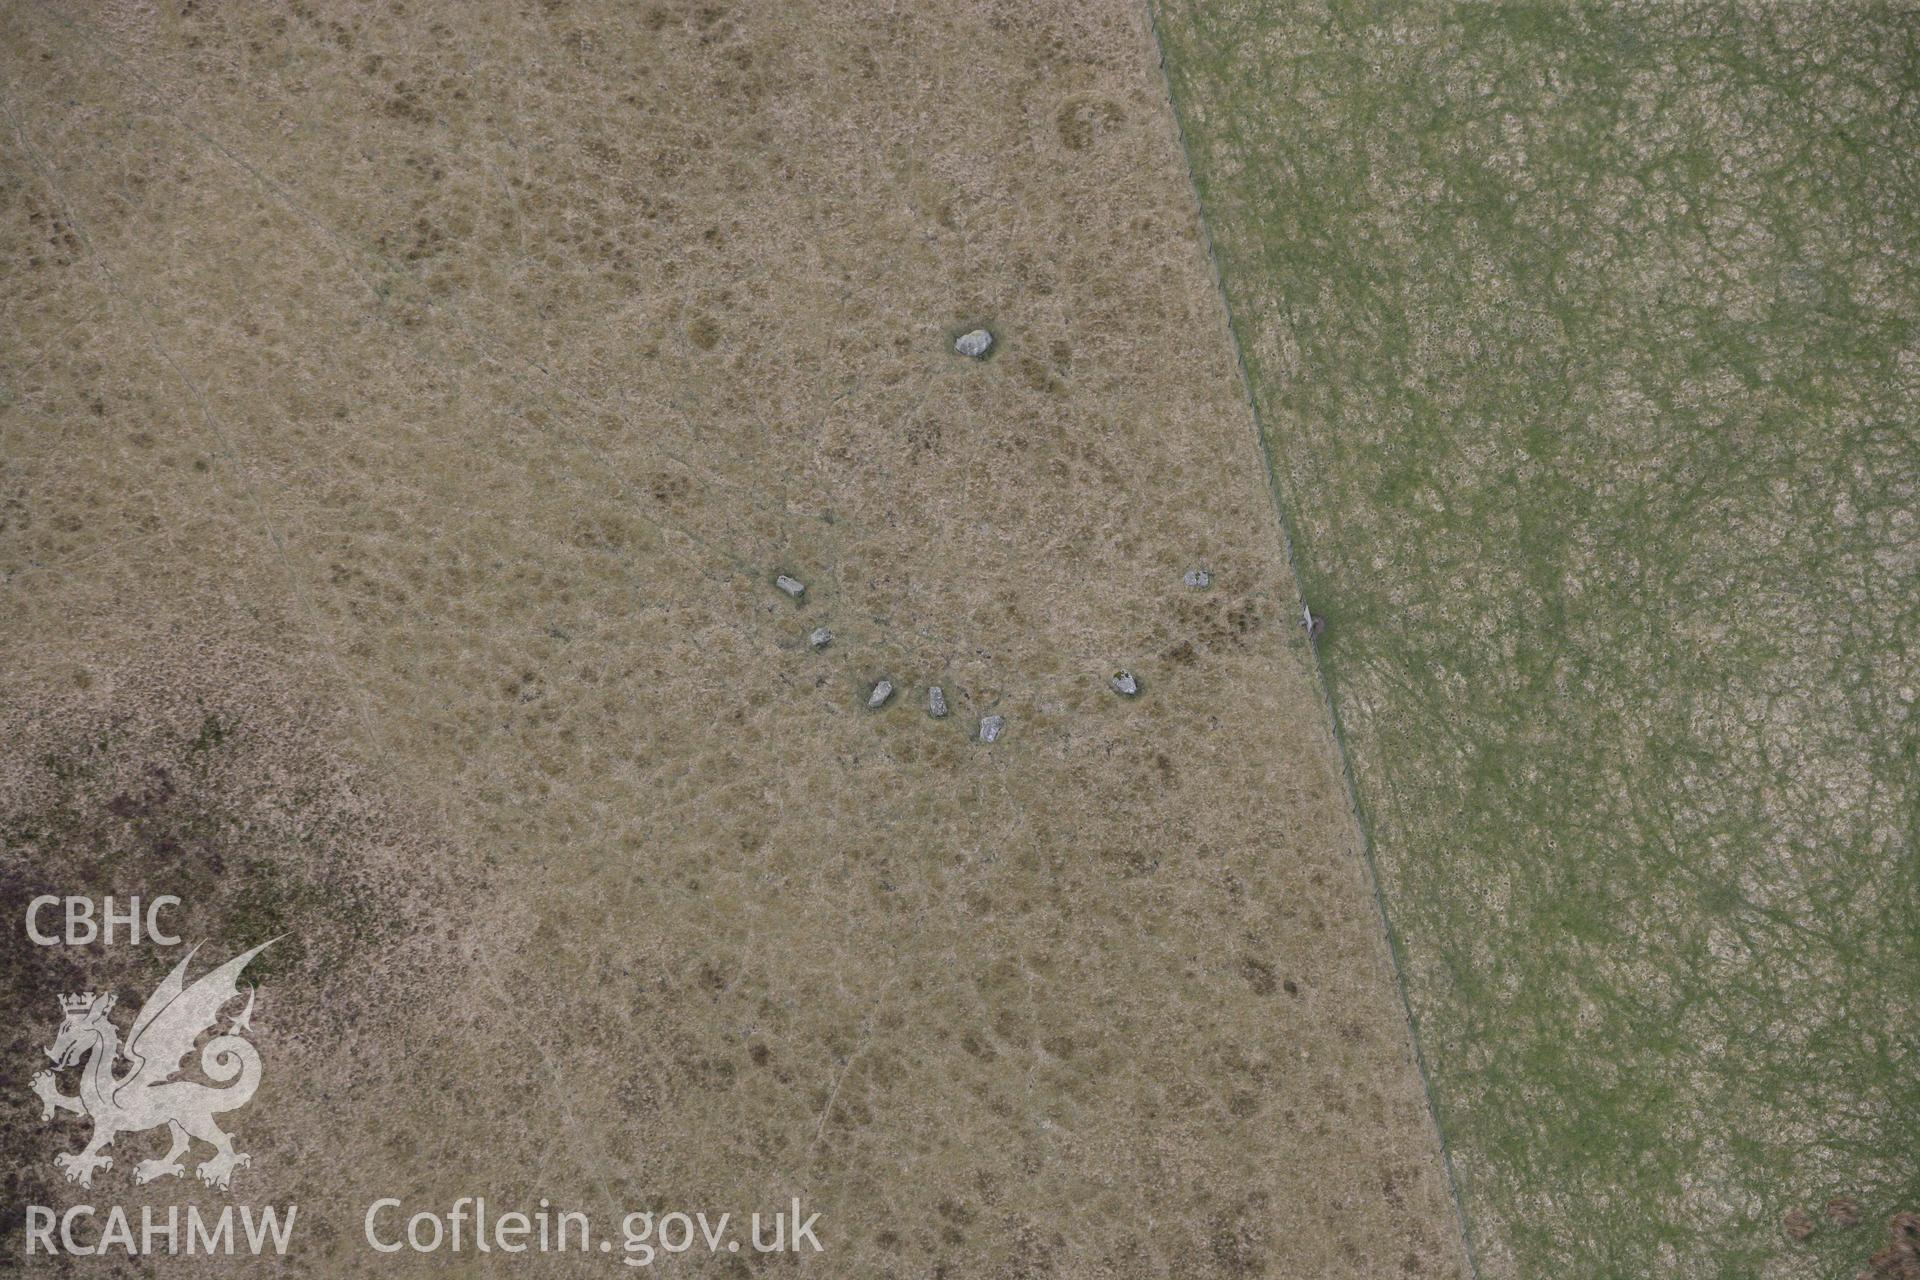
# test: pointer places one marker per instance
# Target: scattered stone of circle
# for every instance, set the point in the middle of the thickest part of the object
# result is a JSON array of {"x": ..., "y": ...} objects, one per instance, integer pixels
[
  {"x": 937, "y": 702},
  {"x": 1198, "y": 579},
  {"x": 975, "y": 344},
  {"x": 791, "y": 586},
  {"x": 1124, "y": 684},
  {"x": 820, "y": 638},
  {"x": 991, "y": 727},
  {"x": 881, "y": 692},
  {"x": 1314, "y": 623}
]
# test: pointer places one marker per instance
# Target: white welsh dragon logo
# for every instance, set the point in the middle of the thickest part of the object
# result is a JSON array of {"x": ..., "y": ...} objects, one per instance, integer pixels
[{"x": 147, "y": 1096}]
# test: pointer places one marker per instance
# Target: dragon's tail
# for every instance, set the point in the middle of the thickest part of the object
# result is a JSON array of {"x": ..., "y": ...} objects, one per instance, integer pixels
[{"x": 224, "y": 1058}]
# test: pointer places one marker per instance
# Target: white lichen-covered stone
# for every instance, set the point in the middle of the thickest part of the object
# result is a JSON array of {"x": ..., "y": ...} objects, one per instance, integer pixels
[
  {"x": 936, "y": 702},
  {"x": 975, "y": 344},
  {"x": 792, "y": 586},
  {"x": 881, "y": 692},
  {"x": 991, "y": 728},
  {"x": 820, "y": 638},
  {"x": 1199, "y": 579},
  {"x": 1124, "y": 684}
]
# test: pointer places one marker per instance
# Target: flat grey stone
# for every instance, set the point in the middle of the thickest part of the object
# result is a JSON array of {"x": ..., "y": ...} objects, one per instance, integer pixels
[
  {"x": 991, "y": 727},
  {"x": 936, "y": 702},
  {"x": 1198, "y": 579},
  {"x": 973, "y": 344},
  {"x": 1124, "y": 684},
  {"x": 792, "y": 586},
  {"x": 820, "y": 638},
  {"x": 881, "y": 692}
]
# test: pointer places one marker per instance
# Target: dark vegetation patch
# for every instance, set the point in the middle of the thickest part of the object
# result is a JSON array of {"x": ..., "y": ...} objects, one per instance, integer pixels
[
  {"x": 1900, "y": 1258},
  {"x": 1082, "y": 119},
  {"x": 207, "y": 780}
]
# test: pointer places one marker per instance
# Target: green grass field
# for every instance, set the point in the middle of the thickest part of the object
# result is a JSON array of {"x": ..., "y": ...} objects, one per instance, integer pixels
[{"x": 1585, "y": 343}]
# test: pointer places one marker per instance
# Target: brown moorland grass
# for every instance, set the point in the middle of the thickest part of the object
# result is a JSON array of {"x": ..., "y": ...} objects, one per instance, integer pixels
[{"x": 406, "y": 411}]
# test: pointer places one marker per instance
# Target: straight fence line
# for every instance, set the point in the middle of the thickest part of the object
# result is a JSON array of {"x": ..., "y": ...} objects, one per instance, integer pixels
[{"x": 1395, "y": 949}]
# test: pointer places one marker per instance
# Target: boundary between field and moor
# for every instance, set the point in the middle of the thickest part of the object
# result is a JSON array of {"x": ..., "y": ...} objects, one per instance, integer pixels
[{"x": 1325, "y": 687}]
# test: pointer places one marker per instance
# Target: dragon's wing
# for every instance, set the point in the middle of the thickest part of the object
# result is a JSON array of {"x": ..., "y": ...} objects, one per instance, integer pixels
[
  {"x": 163, "y": 995},
  {"x": 164, "y": 1032}
]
